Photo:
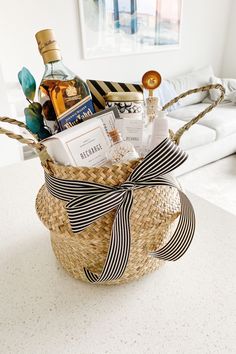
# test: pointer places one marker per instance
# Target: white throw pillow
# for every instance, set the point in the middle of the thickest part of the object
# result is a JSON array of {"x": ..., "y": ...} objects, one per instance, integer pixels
[
  {"x": 192, "y": 80},
  {"x": 232, "y": 97},
  {"x": 228, "y": 84}
]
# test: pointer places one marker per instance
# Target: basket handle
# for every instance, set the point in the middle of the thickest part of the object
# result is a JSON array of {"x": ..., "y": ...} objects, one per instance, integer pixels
[
  {"x": 38, "y": 147},
  {"x": 177, "y": 136}
]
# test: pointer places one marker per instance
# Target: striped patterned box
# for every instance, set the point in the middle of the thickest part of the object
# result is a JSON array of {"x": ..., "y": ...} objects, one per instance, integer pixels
[{"x": 99, "y": 89}]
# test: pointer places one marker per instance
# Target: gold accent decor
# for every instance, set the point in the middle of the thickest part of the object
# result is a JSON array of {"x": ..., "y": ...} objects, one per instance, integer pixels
[
  {"x": 151, "y": 80},
  {"x": 124, "y": 97}
]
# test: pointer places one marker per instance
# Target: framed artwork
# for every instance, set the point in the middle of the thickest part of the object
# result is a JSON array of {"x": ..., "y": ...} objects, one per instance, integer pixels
[{"x": 120, "y": 27}]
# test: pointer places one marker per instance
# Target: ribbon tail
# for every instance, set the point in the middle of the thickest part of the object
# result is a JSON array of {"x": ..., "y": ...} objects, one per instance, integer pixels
[
  {"x": 119, "y": 249},
  {"x": 183, "y": 235}
]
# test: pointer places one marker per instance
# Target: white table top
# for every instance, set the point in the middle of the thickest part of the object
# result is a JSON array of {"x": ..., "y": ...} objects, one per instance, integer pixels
[{"x": 185, "y": 307}]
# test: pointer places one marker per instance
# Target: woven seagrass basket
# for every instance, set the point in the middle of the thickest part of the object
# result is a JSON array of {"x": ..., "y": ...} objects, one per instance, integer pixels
[
  {"x": 153, "y": 212},
  {"x": 153, "y": 215}
]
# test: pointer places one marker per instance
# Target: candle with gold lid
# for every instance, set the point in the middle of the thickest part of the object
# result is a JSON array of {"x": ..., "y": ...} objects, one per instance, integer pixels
[{"x": 126, "y": 102}]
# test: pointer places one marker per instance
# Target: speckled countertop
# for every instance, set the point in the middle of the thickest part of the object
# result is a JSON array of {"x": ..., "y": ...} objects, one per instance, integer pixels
[{"x": 186, "y": 307}]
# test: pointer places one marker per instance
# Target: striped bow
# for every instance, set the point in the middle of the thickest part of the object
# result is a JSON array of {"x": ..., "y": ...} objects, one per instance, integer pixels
[{"x": 89, "y": 201}]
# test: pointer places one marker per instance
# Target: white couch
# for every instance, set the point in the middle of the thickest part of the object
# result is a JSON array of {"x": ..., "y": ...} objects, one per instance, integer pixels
[{"x": 214, "y": 136}]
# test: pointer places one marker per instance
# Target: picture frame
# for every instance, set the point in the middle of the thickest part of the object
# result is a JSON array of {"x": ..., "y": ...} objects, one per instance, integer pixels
[{"x": 125, "y": 27}]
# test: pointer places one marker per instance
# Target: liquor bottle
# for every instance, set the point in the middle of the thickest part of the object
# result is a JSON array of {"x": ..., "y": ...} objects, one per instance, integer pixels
[
  {"x": 65, "y": 98},
  {"x": 121, "y": 151}
]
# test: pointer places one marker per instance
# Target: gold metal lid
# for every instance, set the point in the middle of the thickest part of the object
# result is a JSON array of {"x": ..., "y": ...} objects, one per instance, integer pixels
[
  {"x": 48, "y": 46},
  {"x": 124, "y": 96}
]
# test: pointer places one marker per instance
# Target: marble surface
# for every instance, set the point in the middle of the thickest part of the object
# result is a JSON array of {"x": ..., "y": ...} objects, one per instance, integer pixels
[{"x": 185, "y": 307}]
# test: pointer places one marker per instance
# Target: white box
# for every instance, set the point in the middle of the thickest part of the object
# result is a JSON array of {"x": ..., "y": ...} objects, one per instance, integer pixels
[{"x": 85, "y": 144}]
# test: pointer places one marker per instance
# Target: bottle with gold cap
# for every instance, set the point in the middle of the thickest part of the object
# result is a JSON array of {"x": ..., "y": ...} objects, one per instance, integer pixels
[{"x": 65, "y": 98}]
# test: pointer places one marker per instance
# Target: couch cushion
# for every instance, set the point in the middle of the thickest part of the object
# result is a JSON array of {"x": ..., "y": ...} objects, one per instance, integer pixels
[
  {"x": 222, "y": 118},
  {"x": 188, "y": 112},
  {"x": 197, "y": 135},
  {"x": 228, "y": 84},
  {"x": 166, "y": 93},
  {"x": 192, "y": 80}
]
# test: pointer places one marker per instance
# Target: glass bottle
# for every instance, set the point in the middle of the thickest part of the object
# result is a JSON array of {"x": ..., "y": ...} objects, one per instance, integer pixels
[
  {"x": 121, "y": 151},
  {"x": 65, "y": 98}
]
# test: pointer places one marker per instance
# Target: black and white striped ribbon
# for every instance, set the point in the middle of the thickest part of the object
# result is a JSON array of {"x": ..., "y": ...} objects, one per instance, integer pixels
[{"x": 89, "y": 201}]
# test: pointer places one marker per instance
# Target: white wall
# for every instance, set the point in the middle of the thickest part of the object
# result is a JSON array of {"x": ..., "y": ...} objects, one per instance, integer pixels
[
  {"x": 9, "y": 148},
  {"x": 229, "y": 59},
  {"x": 203, "y": 35}
]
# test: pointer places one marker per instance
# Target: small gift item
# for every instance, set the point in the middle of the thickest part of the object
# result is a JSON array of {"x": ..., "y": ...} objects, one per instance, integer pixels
[
  {"x": 126, "y": 102},
  {"x": 131, "y": 110},
  {"x": 85, "y": 144},
  {"x": 151, "y": 80},
  {"x": 121, "y": 151},
  {"x": 159, "y": 130},
  {"x": 159, "y": 123}
]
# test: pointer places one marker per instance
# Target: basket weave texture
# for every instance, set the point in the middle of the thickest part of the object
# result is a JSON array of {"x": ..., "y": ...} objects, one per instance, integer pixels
[{"x": 153, "y": 213}]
